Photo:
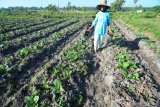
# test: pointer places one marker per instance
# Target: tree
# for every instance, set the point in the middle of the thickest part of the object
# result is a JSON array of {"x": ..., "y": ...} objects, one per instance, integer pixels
[
  {"x": 69, "y": 6},
  {"x": 117, "y": 5},
  {"x": 52, "y": 8}
]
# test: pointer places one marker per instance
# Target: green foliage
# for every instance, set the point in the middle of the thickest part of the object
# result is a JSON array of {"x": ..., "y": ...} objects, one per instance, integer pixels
[
  {"x": 135, "y": 76},
  {"x": 9, "y": 58},
  {"x": 57, "y": 86},
  {"x": 117, "y": 5},
  {"x": 143, "y": 22},
  {"x": 2, "y": 68},
  {"x": 61, "y": 102},
  {"x": 52, "y": 8},
  {"x": 45, "y": 84},
  {"x": 54, "y": 71},
  {"x": 25, "y": 51},
  {"x": 31, "y": 101},
  {"x": 67, "y": 73},
  {"x": 125, "y": 63}
]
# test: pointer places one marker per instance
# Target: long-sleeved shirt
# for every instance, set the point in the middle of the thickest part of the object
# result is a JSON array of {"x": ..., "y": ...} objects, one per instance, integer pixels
[{"x": 101, "y": 22}]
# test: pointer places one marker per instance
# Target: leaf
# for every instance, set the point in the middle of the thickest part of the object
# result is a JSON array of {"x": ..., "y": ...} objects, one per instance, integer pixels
[
  {"x": 27, "y": 99},
  {"x": 45, "y": 84},
  {"x": 136, "y": 76},
  {"x": 133, "y": 64},
  {"x": 62, "y": 65},
  {"x": 129, "y": 75},
  {"x": 36, "y": 98},
  {"x": 2, "y": 68},
  {"x": 120, "y": 64},
  {"x": 125, "y": 65},
  {"x": 54, "y": 71},
  {"x": 121, "y": 56},
  {"x": 124, "y": 73},
  {"x": 58, "y": 85},
  {"x": 68, "y": 73}
]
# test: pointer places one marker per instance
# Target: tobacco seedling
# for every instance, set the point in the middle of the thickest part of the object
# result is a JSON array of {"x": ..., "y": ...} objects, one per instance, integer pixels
[
  {"x": 9, "y": 58},
  {"x": 57, "y": 86},
  {"x": 45, "y": 85},
  {"x": 31, "y": 101},
  {"x": 25, "y": 51},
  {"x": 127, "y": 75},
  {"x": 123, "y": 65},
  {"x": 136, "y": 76},
  {"x": 54, "y": 71},
  {"x": 67, "y": 73}
]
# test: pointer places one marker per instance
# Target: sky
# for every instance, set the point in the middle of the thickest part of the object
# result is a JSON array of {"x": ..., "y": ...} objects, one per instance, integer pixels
[{"x": 62, "y": 3}]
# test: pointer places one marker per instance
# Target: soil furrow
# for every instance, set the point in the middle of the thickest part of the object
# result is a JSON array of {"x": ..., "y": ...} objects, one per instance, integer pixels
[
  {"x": 31, "y": 31},
  {"x": 13, "y": 48},
  {"x": 38, "y": 70},
  {"x": 26, "y": 26},
  {"x": 144, "y": 50}
]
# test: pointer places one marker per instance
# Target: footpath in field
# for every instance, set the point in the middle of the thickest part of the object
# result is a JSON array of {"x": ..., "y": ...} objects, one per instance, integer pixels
[{"x": 121, "y": 77}]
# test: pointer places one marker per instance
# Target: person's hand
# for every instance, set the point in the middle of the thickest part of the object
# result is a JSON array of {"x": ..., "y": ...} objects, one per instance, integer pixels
[{"x": 110, "y": 33}]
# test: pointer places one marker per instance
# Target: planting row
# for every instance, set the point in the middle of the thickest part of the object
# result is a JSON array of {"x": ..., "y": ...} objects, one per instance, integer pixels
[
  {"x": 63, "y": 83},
  {"x": 25, "y": 31},
  {"x": 5, "y": 29},
  {"x": 134, "y": 78},
  {"x": 30, "y": 57},
  {"x": 23, "y": 54},
  {"x": 20, "y": 73},
  {"x": 152, "y": 42},
  {"x": 26, "y": 40},
  {"x": 12, "y": 22}
]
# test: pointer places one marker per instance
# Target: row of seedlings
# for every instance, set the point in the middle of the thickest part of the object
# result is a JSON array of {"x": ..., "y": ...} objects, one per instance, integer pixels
[
  {"x": 24, "y": 31},
  {"x": 13, "y": 45},
  {"x": 64, "y": 81},
  {"x": 39, "y": 55},
  {"x": 134, "y": 78},
  {"x": 5, "y": 29}
]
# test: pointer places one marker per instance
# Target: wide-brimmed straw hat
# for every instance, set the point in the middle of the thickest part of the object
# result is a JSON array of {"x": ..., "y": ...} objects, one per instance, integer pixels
[{"x": 103, "y": 4}]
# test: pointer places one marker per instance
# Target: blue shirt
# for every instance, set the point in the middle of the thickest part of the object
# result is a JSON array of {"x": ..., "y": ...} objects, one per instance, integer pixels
[{"x": 101, "y": 22}]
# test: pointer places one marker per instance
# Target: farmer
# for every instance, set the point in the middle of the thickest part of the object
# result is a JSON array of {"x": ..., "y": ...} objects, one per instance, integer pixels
[{"x": 102, "y": 25}]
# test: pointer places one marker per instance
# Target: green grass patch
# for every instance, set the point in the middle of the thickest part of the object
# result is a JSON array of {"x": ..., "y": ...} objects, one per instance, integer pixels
[{"x": 144, "y": 22}]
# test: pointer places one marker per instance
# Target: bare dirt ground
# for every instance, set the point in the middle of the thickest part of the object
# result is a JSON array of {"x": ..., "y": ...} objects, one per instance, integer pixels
[{"x": 106, "y": 87}]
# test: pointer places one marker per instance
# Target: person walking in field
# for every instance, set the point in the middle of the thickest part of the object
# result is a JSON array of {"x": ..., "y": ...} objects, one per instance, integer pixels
[{"x": 101, "y": 26}]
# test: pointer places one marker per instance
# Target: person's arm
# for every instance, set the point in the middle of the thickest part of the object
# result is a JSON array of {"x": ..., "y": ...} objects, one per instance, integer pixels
[
  {"x": 93, "y": 23},
  {"x": 109, "y": 31},
  {"x": 109, "y": 28}
]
